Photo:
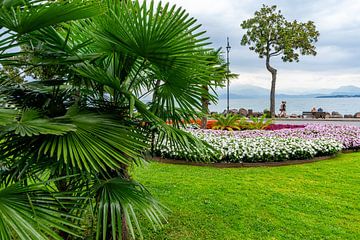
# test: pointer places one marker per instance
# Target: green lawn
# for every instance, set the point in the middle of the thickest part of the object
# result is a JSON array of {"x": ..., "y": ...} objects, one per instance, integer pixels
[{"x": 311, "y": 201}]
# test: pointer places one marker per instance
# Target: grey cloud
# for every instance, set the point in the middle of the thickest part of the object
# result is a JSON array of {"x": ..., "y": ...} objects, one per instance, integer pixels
[{"x": 338, "y": 46}]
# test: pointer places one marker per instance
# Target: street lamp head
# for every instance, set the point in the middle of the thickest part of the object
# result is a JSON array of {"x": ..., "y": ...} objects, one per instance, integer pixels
[{"x": 228, "y": 47}]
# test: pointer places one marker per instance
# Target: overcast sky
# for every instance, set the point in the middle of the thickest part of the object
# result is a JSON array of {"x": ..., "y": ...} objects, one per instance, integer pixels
[{"x": 338, "y": 60}]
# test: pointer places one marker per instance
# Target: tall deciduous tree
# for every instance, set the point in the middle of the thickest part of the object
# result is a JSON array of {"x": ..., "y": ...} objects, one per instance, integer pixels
[{"x": 269, "y": 34}]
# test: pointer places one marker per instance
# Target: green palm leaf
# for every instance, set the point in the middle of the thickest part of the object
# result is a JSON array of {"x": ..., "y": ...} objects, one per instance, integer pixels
[
  {"x": 175, "y": 136},
  {"x": 39, "y": 14},
  {"x": 165, "y": 43},
  {"x": 99, "y": 143},
  {"x": 119, "y": 197},
  {"x": 107, "y": 62},
  {"x": 30, "y": 213},
  {"x": 7, "y": 116},
  {"x": 31, "y": 123}
]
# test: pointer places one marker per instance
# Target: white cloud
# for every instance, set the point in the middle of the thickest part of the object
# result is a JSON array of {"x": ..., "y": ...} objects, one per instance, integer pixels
[
  {"x": 336, "y": 64},
  {"x": 337, "y": 15}
]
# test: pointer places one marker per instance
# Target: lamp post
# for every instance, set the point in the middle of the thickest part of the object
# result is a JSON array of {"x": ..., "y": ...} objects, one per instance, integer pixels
[{"x": 228, "y": 47}]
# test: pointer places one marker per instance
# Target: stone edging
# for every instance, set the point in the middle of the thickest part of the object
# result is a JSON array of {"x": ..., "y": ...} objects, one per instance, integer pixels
[{"x": 244, "y": 165}]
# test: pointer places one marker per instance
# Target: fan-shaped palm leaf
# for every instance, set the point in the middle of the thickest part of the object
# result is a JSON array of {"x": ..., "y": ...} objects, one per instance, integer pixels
[
  {"x": 7, "y": 116},
  {"x": 118, "y": 198},
  {"x": 33, "y": 15},
  {"x": 112, "y": 59},
  {"x": 30, "y": 213},
  {"x": 99, "y": 143},
  {"x": 164, "y": 41},
  {"x": 31, "y": 123}
]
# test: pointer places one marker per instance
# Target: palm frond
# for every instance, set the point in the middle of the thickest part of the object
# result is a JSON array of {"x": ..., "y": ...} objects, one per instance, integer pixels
[
  {"x": 31, "y": 213},
  {"x": 165, "y": 41},
  {"x": 35, "y": 15},
  {"x": 99, "y": 143},
  {"x": 7, "y": 116},
  {"x": 175, "y": 136},
  {"x": 120, "y": 198},
  {"x": 32, "y": 123}
]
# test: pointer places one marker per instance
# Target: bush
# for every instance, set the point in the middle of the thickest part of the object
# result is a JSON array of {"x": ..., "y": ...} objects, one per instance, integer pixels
[
  {"x": 228, "y": 122},
  {"x": 233, "y": 122}
]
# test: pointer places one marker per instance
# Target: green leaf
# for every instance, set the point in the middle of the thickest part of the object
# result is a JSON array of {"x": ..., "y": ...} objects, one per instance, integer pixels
[
  {"x": 31, "y": 123},
  {"x": 36, "y": 15},
  {"x": 31, "y": 213},
  {"x": 98, "y": 144},
  {"x": 7, "y": 116},
  {"x": 123, "y": 198},
  {"x": 269, "y": 34}
]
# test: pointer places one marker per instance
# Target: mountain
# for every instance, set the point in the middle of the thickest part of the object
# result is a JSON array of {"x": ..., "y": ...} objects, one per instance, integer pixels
[
  {"x": 244, "y": 91},
  {"x": 347, "y": 90},
  {"x": 251, "y": 91}
]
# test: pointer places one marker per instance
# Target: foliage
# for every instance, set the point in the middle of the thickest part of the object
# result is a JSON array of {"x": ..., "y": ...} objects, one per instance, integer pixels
[
  {"x": 18, "y": 205},
  {"x": 307, "y": 201},
  {"x": 267, "y": 113},
  {"x": 228, "y": 122},
  {"x": 219, "y": 77},
  {"x": 7, "y": 72},
  {"x": 269, "y": 34},
  {"x": 259, "y": 123},
  {"x": 73, "y": 129},
  {"x": 232, "y": 122}
]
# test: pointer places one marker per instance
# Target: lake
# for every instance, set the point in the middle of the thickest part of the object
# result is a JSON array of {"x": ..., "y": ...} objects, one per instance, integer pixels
[{"x": 294, "y": 105}]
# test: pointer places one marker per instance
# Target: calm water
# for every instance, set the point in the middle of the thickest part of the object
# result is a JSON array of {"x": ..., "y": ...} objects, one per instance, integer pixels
[{"x": 294, "y": 105}]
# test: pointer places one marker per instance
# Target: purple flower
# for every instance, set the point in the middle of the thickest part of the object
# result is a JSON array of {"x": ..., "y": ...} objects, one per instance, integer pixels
[{"x": 349, "y": 136}]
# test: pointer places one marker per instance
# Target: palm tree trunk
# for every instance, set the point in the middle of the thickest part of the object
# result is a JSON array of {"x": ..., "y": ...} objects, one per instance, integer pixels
[
  {"x": 273, "y": 72},
  {"x": 124, "y": 227},
  {"x": 205, "y": 107},
  {"x": 157, "y": 85}
]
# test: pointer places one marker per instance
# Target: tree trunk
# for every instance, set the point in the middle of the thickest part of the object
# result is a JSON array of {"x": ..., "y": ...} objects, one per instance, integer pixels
[
  {"x": 205, "y": 107},
  {"x": 273, "y": 72},
  {"x": 124, "y": 228},
  {"x": 124, "y": 173}
]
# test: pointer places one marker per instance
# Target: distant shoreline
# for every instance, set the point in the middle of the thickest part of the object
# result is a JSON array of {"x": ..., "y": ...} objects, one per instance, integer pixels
[
  {"x": 339, "y": 96},
  {"x": 344, "y": 106}
]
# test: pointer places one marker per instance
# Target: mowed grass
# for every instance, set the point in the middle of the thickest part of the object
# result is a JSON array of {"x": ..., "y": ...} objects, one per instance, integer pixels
[{"x": 311, "y": 201}]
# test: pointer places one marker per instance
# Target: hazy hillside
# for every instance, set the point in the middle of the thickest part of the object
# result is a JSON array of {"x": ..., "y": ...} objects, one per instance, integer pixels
[
  {"x": 250, "y": 91},
  {"x": 347, "y": 90}
]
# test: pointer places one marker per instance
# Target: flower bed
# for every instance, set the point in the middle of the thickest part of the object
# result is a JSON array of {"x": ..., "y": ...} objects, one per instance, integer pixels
[
  {"x": 349, "y": 136},
  {"x": 265, "y": 146},
  {"x": 259, "y": 149},
  {"x": 283, "y": 126}
]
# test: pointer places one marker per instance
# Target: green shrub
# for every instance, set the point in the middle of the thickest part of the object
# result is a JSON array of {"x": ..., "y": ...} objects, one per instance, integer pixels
[{"x": 228, "y": 122}]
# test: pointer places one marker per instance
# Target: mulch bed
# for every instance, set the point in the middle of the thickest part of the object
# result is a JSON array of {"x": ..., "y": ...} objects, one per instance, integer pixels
[{"x": 243, "y": 165}]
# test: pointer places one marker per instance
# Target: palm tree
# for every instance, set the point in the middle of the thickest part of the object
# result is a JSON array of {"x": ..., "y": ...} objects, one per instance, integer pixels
[
  {"x": 218, "y": 77},
  {"x": 68, "y": 140}
]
